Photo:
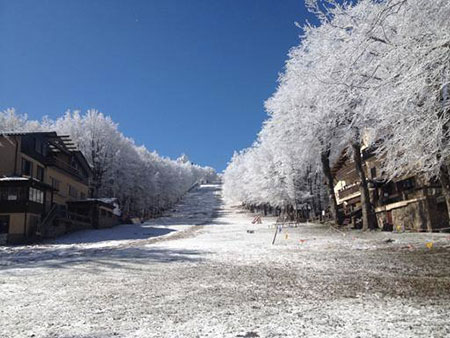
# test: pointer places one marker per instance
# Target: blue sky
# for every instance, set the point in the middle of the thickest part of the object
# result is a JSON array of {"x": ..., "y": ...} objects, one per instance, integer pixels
[{"x": 180, "y": 76}]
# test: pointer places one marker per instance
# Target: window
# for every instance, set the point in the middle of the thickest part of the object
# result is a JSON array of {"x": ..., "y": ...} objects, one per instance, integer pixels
[
  {"x": 40, "y": 173},
  {"x": 82, "y": 195},
  {"x": 36, "y": 195},
  {"x": 4, "y": 224},
  {"x": 103, "y": 212},
  {"x": 406, "y": 184},
  {"x": 73, "y": 192},
  {"x": 3, "y": 193},
  {"x": 13, "y": 194},
  {"x": 55, "y": 183},
  {"x": 27, "y": 168},
  {"x": 373, "y": 172}
]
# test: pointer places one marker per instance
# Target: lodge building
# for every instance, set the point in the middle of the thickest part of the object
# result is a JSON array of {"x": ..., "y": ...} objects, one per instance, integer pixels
[
  {"x": 404, "y": 203},
  {"x": 44, "y": 188}
]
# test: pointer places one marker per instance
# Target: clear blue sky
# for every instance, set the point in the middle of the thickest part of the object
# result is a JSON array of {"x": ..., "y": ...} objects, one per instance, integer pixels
[{"x": 177, "y": 75}]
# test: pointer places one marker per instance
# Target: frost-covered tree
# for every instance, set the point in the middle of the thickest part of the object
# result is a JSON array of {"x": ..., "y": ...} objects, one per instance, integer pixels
[
  {"x": 377, "y": 68},
  {"x": 12, "y": 121},
  {"x": 414, "y": 110},
  {"x": 97, "y": 136}
]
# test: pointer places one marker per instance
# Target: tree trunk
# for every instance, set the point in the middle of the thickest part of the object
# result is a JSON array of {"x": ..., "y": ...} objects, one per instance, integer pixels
[
  {"x": 325, "y": 158},
  {"x": 445, "y": 183},
  {"x": 368, "y": 217}
]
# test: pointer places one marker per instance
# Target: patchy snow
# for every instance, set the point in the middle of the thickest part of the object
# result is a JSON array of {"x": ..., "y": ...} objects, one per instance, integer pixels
[{"x": 209, "y": 277}]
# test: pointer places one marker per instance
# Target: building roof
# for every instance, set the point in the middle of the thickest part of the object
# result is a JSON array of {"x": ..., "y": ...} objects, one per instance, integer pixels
[{"x": 64, "y": 139}]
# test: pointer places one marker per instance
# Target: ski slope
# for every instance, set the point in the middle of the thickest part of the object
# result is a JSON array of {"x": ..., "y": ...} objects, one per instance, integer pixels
[{"x": 197, "y": 272}]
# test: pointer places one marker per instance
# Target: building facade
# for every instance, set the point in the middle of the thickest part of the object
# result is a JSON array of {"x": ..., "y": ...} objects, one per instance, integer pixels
[
  {"x": 40, "y": 173},
  {"x": 403, "y": 203}
]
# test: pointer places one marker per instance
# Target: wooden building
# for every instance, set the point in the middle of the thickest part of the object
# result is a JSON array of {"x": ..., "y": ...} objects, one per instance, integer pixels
[
  {"x": 40, "y": 173},
  {"x": 102, "y": 211},
  {"x": 404, "y": 203}
]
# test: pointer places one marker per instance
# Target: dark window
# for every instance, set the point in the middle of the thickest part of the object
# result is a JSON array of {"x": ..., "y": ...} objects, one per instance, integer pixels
[
  {"x": 73, "y": 192},
  {"x": 373, "y": 172},
  {"x": 22, "y": 193},
  {"x": 13, "y": 194},
  {"x": 4, "y": 224},
  {"x": 3, "y": 193},
  {"x": 82, "y": 195},
  {"x": 55, "y": 183},
  {"x": 406, "y": 184},
  {"x": 27, "y": 168},
  {"x": 40, "y": 173},
  {"x": 103, "y": 212}
]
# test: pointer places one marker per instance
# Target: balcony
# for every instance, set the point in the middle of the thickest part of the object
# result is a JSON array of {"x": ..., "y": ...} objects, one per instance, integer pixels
[
  {"x": 53, "y": 161},
  {"x": 348, "y": 190}
]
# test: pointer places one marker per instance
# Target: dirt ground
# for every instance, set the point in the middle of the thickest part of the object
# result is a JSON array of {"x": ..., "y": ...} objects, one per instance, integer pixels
[{"x": 207, "y": 276}]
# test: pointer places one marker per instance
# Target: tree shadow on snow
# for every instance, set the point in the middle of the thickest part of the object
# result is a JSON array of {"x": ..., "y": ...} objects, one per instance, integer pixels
[
  {"x": 118, "y": 233},
  {"x": 127, "y": 257}
]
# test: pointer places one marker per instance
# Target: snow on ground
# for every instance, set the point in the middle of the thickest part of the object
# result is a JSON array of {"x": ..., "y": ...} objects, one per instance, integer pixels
[
  {"x": 198, "y": 207},
  {"x": 211, "y": 278}
]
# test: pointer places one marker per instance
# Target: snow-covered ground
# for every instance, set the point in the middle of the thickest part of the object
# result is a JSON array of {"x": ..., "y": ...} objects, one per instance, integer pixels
[{"x": 206, "y": 276}]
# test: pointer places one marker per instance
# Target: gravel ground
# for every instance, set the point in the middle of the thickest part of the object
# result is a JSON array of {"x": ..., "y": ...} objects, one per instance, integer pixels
[{"x": 208, "y": 277}]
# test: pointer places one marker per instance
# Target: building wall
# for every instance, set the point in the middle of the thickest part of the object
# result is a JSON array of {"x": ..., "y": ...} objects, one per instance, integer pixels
[
  {"x": 344, "y": 177},
  {"x": 32, "y": 160},
  {"x": 106, "y": 219},
  {"x": 62, "y": 196},
  {"x": 21, "y": 226},
  {"x": 8, "y": 151},
  {"x": 438, "y": 213},
  {"x": 414, "y": 216},
  {"x": 16, "y": 227},
  {"x": 32, "y": 224},
  {"x": 16, "y": 222}
]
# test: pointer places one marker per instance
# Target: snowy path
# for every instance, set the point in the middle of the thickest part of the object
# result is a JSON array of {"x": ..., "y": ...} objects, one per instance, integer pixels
[{"x": 216, "y": 280}]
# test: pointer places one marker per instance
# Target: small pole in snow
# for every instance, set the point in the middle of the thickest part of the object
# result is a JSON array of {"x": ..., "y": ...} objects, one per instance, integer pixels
[{"x": 277, "y": 229}]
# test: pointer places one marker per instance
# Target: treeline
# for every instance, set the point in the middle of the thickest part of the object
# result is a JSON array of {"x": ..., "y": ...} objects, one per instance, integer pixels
[
  {"x": 144, "y": 182},
  {"x": 371, "y": 73}
]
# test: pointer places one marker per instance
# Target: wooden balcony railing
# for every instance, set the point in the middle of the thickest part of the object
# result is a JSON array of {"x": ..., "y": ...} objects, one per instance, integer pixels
[{"x": 348, "y": 190}]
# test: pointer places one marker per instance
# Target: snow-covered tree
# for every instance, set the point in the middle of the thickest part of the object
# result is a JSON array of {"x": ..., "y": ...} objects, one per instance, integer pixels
[{"x": 369, "y": 67}]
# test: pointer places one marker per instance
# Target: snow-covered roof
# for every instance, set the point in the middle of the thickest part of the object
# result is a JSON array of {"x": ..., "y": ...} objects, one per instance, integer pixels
[
  {"x": 3, "y": 179},
  {"x": 108, "y": 200},
  {"x": 16, "y": 180},
  {"x": 112, "y": 201}
]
